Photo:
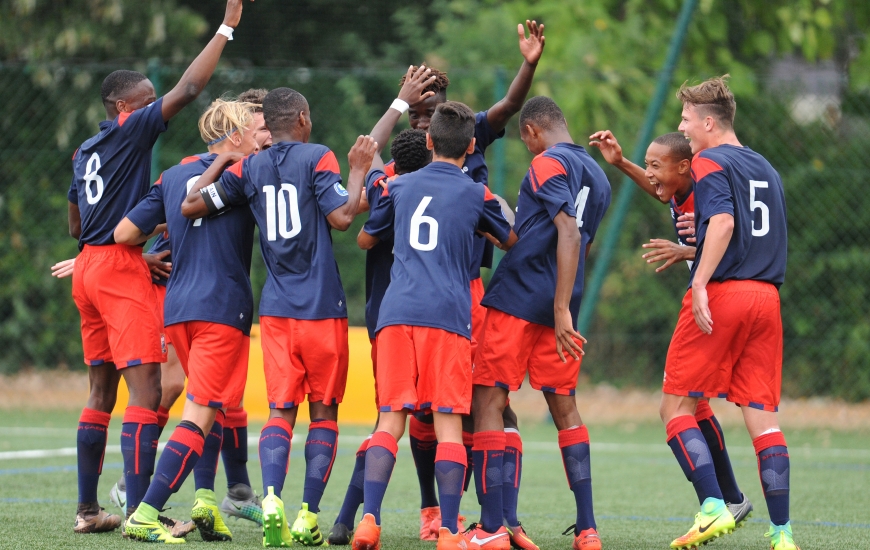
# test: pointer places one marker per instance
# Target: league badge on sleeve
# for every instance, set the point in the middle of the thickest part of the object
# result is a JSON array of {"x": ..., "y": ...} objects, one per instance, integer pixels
[{"x": 339, "y": 188}]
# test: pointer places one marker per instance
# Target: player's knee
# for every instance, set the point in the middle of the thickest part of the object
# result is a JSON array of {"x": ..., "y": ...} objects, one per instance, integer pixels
[
  {"x": 510, "y": 418},
  {"x": 170, "y": 391},
  {"x": 563, "y": 409},
  {"x": 323, "y": 412}
]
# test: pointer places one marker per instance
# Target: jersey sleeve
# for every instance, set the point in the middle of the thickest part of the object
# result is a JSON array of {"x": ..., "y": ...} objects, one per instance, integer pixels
[
  {"x": 374, "y": 189},
  {"x": 73, "y": 193},
  {"x": 492, "y": 219},
  {"x": 595, "y": 205},
  {"x": 144, "y": 125},
  {"x": 328, "y": 189},
  {"x": 233, "y": 181},
  {"x": 484, "y": 133},
  {"x": 381, "y": 217},
  {"x": 712, "y": 189},
  {"x": 150, "y": 211},
  {"x": 549, "y": 180}
]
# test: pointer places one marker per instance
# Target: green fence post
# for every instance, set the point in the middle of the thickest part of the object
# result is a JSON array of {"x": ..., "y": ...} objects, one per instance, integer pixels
[
  {"x": 497, "y": 181},
  {"x": 623, "y": 199},
  {"x": 154, "y": 75}
]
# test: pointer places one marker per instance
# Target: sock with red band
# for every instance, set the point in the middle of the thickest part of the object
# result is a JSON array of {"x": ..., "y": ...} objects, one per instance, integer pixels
[
  {"x": 715, "y": 439},
  {"x": 206, "y": 467},
  {"x": 488, "y": 452},
  {"x": 574, "y": 444},
  {"x": 468, "y": 442},
  {"x": 139, "y": 434},
  {"x": 423, "y": 444},
  {"x": 450, "y": 467},
  {"x": 773, "y": 469},
  {"x": 355, "y": 489},
  {"x": 179, "y": 457},
  {"x": 512, "y": 471},
  {"x": 162, "y": 419},
  {"x": 275, "y": 454},
  {"x": 91, "y": 440},
  {"x": 380, "y": 461},
  {"x": 690, "y": 448},
  {"x": 234, "y": 448},
  {"x": 320, "y": 448}
]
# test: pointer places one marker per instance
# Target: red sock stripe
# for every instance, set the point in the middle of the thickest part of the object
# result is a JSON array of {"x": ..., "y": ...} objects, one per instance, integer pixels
[
  {"x": 451, "y": 452},
  {"x": 422, "y": 431},
  {"x": 188, "y": 438},
  {"x": 90, "y": 416},
  {"x": 767, "y": 441},
  {"x": 236, "y": 418},
  {"x": 685, "y": 452},
  {"x": 181, "y": 470},
  {"x": 513, "y": 439},
  {"x": 703, "y": 410},
  {"x": 718, "y": 433},
  {"x": 138, "y": 435},
  {"x": 279, "y": 423},
  {"x": 139, "y": 415},
  {"x": 235, "y": 433},
  {"x": 162, "y": 416},
  {"x": 573, "y": 436},
  {"x": 467, "y": 438},
  {"x": 489, "y": 441},
  {"x": 681, "y": 424},
  {"x": 385, "y": 440},
  {"x": 324, "y": 425}
]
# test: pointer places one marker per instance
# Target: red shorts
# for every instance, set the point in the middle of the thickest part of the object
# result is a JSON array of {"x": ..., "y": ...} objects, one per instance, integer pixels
[
  {"x": 160, "y": 291},
  {"x": 374, "y": 343},
  {"x": 512, "y": 346},
  {"x": 742, "y": 360},
  {"x": 215, "y": 360},
  {"x": 423, "y": 368},
  {"x": 302, "y": 357},
  {"x": 113, "y": 291},
  {"x": 478, "y": 314}
]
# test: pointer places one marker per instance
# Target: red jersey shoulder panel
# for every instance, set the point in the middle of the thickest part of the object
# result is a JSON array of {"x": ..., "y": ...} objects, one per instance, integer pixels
[
  {"x": 237, "y": 168},
  {"x": 703, "y": 167},
  {"x": 543, "y": 168},
  {"x": 390, "y": 168},
  {"x": 122, "y": 118},
  {"x": 188, "y": 160},
  {"x": 487, "y": 194},
  {"x": 327, "y": 163},
  {"x": 159, "y": 179}
]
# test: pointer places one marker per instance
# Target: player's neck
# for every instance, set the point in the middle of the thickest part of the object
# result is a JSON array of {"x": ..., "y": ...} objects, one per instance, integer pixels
[
  {"x": 285, "y": 135},
  {"x": 725, "y": 138},
  {"x": 553, "y": 137},
  {"x": 459, "y": 163}
]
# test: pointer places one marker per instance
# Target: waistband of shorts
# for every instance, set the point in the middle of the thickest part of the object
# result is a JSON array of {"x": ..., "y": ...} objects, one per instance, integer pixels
[
  {"x": 742, "y": 285},
  {"x": 135, "y": 250}
]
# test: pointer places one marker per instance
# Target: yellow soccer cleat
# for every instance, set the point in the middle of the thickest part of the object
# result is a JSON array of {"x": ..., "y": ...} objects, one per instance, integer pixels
[
  {"x": 143, "y": 526},
  {"x": 713, "y": 521},
  {"x": 305, "y": 530},
  {"x": 207, "y": 516},
  {"x": 276, "y": 532},
  {"x": 780, "y": 537}
]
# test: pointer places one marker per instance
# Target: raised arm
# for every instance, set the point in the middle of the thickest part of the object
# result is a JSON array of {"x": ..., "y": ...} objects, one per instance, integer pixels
[
  {"x": 360, "y": 160},
  {"x": 196, "y": 76},
  {"x": 531, "y": 48},
  {"x": 411, "y": 93},
  {"x": 606, "y": 142},
  {"x": 567, "y": 258}
]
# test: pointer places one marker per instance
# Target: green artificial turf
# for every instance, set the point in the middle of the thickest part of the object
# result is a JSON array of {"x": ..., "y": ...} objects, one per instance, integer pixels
[{"x": 642, "y": 499}]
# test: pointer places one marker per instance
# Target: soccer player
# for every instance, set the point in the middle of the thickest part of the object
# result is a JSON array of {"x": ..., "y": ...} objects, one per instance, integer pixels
[
  {"x": 295, "y": 193},
  {"x": 728, "y": 339},
  {"x": 255, "y": 96},
  {"x": 668, "y": 179},
  {"x": 211, "y": 336},
  {"x": 121, "y": 332},
  {"x": 424, "y": 360},
  {"x": 562, "y": 200}
]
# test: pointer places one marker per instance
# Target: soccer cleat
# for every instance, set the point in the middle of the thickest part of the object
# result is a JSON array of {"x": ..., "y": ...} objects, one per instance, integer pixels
[
  {"x": 587, "y": 540},
  {"x": 520, "y": 540},
  {"x": 176, "y": 527},
  {"x": 430, "y": 522},
  {"x": 100, "y": 522},
  {"x": 208, "y": 518},
  {"x": 741, "y": 511},
  {"x": 780, "y": 537},
  {"x": 276, "y": 532},
  {"x": 713, "y": 521},
  {"x": 500, "y": 540},
  {"x": 118, "y": 494},
  {"x": 339, "y": 535},
  {"x": 450, "y": 541},
  {"x": 241, "y": 502},
  {"x": 367, "y": 535},
  {"x": 143, "y": 530},
  {"x": 305, "y": 530}
]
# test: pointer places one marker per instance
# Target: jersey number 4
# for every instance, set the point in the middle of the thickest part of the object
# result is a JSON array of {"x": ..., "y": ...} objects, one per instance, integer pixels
[
  {"x": 287, "y": 205},
  {"x": 758, "y": 205},
  {"x": 419, "y": 219}
]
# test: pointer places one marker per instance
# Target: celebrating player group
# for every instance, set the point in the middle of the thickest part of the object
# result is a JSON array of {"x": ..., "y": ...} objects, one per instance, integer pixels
[{"x": 445, "y": 351}]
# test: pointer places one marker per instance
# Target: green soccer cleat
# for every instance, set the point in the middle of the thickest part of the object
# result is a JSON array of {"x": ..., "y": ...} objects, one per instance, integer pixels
[
  {"x": 713, "y": 521},
  {"x": 305, "y": 530},
  {"x": 780, "y": 537},
  {"x": 208, "y": 518},
  {"x": 276, "y": 532},
  {"x": 143, "y": 526}
]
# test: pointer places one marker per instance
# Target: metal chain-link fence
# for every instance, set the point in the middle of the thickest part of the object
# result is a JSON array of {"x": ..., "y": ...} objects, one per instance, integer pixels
[{"x": 819, "y": 142}]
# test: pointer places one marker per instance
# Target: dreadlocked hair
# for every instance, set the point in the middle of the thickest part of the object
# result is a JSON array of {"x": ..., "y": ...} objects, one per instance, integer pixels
[{"x": 440, "y": 84}]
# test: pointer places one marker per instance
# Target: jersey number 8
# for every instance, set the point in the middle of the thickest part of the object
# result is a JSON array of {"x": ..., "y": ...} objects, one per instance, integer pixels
[
  {"x": 288, "y": 201},
  {"x": 419, "y": 219}
]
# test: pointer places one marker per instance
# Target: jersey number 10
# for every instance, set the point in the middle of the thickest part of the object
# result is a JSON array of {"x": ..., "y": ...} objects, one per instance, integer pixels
[{"x": 288, "y": 202}]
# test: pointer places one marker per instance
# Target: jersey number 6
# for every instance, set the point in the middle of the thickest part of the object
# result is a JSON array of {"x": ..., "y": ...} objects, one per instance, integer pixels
[
  {"x": 419, "y": 219},
  {"x": 288, "y": 201}
]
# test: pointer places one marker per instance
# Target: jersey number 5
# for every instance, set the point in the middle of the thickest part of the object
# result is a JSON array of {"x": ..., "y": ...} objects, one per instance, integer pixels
[
  {"x": 419, "y": 219},
  {"x": 288, "y": 202},
  {"x": 758, "y": 205}
]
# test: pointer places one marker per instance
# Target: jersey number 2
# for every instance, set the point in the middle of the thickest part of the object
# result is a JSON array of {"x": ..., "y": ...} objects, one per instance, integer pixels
[
  {"x": 288, "y": 203},
  {"x": 419, "y": 219},
  {"x": 758, "y": 205}
]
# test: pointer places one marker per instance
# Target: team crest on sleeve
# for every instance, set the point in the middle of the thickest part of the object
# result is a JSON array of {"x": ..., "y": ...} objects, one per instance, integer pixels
[{"x": 339, "y": 188}]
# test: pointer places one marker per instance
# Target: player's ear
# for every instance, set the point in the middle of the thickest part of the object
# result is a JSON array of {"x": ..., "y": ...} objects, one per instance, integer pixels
[
  {"x": 470, "y": 149},
  {"x": 684, "y": 166},
  {"x": 429, "y": 145}
]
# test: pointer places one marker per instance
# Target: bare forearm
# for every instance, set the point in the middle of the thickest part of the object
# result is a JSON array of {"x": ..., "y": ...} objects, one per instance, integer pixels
[
  {"x": 719, "y": 231},
  {"x": 195, "y": 78},
  {"x": 567, "y": 258},
  {"x": 500, "y": 113},
  {"x": 384, "y": 127}
]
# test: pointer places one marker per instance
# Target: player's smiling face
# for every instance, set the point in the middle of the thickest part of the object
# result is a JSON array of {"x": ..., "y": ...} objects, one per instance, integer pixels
[
  {"x": 668, "y": 174},
  {"x": 694, "y": 127},
  {"x": 260, "y": 132},
  {"x": 420, "y": 114}
]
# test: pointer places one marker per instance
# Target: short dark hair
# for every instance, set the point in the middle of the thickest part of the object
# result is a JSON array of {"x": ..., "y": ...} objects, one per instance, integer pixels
[
  {"x": 409, "y": 151},
  {"x": 281, "y": 108},
  {"x": 543, "y": 112},
  {"x": 255, "y": 97},
  {"x": 119, "y": 83},
  {"x": 439, "y": 86},
  {"x": 452, "y": 129},
  {"x": 677, "y": 144},
  {"x": 712, "y": 98}
]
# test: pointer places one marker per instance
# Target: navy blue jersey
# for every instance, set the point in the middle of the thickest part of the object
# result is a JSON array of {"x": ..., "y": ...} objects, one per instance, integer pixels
[
  {"x": 212, "y": 256},
  {"x": 291, "y": 187},
  {"x": 740, "y": 182},
  {"x": 564, "y": 178},
  {"x": 379, "y": 259},
  {"x": 160, "y": 244},
  {"x": 112, "y": 171},
  {"x": 685, "y": 206},
  {"x": 433, "y": 214}
]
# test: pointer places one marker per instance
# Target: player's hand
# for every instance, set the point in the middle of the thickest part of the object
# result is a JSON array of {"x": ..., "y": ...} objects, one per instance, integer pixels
[
  {"x": 686, "y": 226},
  {"x": 567, "y": 336},
  {"x": 668, "y": 252},
  {"x": 63, "y": 269},
  {"x": 229, "y": 158},
  {"x": 156, "y": 264},
  {"x": 234, "y": 13},
  {"x": 415, "y": 82},
  {"x": 701, "y": 310},
  {"x": 533, "y": 46},
  {"x": 606, "y": 142},
  {"x": 361, "y": 154}
]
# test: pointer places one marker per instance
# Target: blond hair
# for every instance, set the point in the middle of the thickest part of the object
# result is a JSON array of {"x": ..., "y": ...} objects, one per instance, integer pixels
[
  {"x": 712, "y": 98},
  {"x": 222, "y": 118}
]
